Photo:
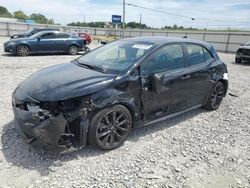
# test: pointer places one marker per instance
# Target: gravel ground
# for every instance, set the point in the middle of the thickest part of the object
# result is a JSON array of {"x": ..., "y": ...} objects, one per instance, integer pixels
[{"x": 197, "y": 149}]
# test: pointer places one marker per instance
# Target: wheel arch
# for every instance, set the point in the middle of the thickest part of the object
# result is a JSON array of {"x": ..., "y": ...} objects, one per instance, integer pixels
[
  {"x": 225, "y": 84},
  {"x": 128, "y": 106},
  {"x": 24, "y": 44},
  {"x": 73, "y": 44}
]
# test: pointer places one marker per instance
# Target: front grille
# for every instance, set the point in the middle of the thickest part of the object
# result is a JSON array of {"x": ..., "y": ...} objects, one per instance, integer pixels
[{"x": 246, "y": 51}]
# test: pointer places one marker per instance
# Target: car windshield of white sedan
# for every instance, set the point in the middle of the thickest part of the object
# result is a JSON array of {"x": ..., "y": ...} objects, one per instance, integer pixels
[{"x": 115, "y": 57}]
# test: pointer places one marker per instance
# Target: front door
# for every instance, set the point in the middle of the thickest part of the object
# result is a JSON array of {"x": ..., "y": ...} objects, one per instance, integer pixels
[
  {"x": 45, "y": 43},
  {"x": 164, "y": 81}
]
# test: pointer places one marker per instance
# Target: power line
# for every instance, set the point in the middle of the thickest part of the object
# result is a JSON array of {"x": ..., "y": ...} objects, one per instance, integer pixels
[
  {"x": 179, "y": 15},
  {"x": 130, "y": 4}
]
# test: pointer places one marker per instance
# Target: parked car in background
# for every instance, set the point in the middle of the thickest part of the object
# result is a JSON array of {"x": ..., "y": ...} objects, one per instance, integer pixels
[
  {"x": 86, "y": 36},
  {"x": 243, "y": 53},
  {"x": 99, "y": 97},
  {"x": 45, "y": 42},
  {"x": 32, "y": 31}
]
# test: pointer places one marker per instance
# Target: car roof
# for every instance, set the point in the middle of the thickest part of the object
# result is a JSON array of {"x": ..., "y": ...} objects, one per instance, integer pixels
[
  {"x": 45, "y": 28},
  {"x": 44, "y": 32},
  {"x": 165, "y": 40}
]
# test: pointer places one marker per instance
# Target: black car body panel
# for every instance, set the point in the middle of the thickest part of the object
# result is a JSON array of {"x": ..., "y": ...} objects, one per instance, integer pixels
[
  {"x": 64, "y": 85},
  {"x": 69, "y": 95},
  {"x": 38, "y": 45}
]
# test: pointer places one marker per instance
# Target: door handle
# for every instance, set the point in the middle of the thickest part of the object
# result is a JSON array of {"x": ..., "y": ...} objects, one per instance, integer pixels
[{"x": 185, "y": 77}]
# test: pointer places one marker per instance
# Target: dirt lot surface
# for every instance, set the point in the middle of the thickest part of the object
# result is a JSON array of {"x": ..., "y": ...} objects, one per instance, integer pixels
[{"x": 197, "y": 149}]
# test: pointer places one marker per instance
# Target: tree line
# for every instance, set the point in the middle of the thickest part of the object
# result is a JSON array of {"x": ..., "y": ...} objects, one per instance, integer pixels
[
  {"x": 132, "y": 25},
  {"x": 20, "y": 15}
]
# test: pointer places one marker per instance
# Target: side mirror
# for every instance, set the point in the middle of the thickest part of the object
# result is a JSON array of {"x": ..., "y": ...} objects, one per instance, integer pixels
[
  {"x": 155, "y": 81},
  {"x": 39, "y": 38}
]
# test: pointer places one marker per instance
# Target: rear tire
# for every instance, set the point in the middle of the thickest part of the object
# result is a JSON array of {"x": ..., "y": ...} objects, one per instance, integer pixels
[
  {"x": 22, "y": 50},
  {"x": 73, "y": 50},
  {"x": 215, "y": 97},
  {"x": 110, "y": 127}
]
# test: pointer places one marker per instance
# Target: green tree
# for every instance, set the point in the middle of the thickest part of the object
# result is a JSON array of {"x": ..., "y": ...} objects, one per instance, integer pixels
[
  {"x": 89, "y": 24},
  {"x": 40, "y": 18},
  {"x": 20, "y": 15},
  {"x": 5, "y": 13},
  {"x": 136, "y": 25}
]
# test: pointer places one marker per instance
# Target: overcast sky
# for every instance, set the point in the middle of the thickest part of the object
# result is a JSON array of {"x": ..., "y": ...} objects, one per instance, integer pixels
[{"x": 234, "y": 13}]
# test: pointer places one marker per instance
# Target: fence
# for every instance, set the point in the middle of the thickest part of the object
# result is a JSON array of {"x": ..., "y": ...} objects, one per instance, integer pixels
[{"x": 223, "y": 41}]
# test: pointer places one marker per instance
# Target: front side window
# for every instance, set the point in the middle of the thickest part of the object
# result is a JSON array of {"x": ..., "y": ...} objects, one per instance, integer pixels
[
  {"x": 48, "y": 36},
  {"x": 117, "y": 56},
  {"x": 167, "y": 58}
]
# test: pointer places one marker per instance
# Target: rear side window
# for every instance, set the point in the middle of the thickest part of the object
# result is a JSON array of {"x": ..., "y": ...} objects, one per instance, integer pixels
[
  {"x": 207, "y": 55},
  {"x": 196, "y": 55},
  {"x": 62, "y": 35}
]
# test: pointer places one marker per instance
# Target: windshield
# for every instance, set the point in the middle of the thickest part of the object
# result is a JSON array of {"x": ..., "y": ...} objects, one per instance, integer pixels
[
  {"x": 35, "y": 35},
  {"x": 116, "y": 57},
  {"x": 28, "y": 31}
]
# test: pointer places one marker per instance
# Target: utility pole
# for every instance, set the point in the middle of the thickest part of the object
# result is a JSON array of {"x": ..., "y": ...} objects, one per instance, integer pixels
[
  {"x": 123, "y": 19},
  {"x": 140, "y": 21}
]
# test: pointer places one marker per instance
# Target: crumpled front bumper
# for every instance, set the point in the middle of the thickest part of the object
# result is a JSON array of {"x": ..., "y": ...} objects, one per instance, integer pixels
[{"x": 40, "y": 134}]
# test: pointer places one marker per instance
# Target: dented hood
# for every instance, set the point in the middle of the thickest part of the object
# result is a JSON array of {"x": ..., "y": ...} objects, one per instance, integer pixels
[{"x": 64, "y": 81}]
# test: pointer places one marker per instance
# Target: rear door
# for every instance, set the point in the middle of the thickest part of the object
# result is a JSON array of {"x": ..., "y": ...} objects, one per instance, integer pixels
[
  {"x": 61, "y": 42},
  {"x": 201, "y": 70}
]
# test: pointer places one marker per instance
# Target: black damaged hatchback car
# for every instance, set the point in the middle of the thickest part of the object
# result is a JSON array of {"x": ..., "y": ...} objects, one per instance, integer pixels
[{"x": 98, "y": 98}]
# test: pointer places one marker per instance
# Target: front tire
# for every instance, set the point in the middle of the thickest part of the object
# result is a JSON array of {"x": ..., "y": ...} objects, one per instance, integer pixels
[
  {"x": 215, "y": 97},
  {"x": 23, "y": 50},
  {"x": 73, "y": 50},
  {"x": 237, "y": 60},
  {"x": 110, "y": 127}
]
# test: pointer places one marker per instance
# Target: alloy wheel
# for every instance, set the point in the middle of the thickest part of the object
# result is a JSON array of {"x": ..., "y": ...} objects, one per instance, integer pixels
[
  {"x": 23, "y": 50},
  {"x": 113, "y": 129},
  {"x": 73, "y": 50},
  {"x": 217, "y": 96}
]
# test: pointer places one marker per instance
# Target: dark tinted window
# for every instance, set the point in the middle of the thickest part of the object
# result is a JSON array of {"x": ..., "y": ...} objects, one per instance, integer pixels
[
  {"x": 34, "y": 31},
  {"x": 167, "y": 58},
  {"x": 207, "y": 55},
  {"x": 48, "y": 36},
  {"x": 195, "y": 53},
  {"x": 62, "y": 35}
]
